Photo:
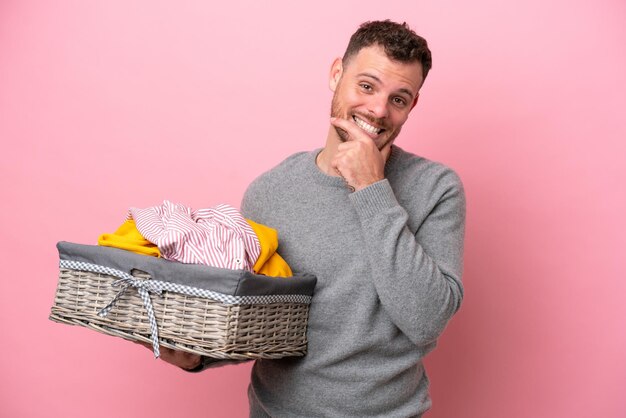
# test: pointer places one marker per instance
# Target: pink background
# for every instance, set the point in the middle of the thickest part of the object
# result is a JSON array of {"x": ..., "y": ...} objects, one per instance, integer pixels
[{"x": 104, "y": 105}]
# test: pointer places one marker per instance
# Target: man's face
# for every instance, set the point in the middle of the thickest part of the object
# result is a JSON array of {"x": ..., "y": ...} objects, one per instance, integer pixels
[{"x": 375, "y": 93}]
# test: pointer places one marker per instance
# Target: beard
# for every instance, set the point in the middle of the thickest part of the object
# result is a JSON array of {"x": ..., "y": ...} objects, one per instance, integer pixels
[{"x": 336, "y": 111}]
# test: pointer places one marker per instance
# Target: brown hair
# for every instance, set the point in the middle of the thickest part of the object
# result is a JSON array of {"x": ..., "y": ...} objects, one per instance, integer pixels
[{"x": 398, "y": 40}]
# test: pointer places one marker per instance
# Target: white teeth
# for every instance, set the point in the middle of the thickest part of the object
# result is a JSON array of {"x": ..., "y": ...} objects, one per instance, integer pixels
[{"x": 366, "y": 126}]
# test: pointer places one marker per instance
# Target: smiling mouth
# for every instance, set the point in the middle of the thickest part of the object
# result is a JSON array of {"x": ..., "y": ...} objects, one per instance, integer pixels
[{"x": 366, "y": 126}]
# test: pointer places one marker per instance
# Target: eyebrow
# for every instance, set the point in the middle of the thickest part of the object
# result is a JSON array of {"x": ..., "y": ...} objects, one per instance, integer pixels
[{"x": 402, "y": 90}]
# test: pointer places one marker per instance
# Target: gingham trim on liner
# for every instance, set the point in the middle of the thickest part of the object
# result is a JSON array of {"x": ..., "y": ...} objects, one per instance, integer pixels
[
  {"x": 156, "y": 286},
  {"x": 145, "y": 287}
]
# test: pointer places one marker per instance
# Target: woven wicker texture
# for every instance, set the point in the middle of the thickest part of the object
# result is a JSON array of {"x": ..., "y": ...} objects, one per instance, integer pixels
[{"x": 188, "y": 323}]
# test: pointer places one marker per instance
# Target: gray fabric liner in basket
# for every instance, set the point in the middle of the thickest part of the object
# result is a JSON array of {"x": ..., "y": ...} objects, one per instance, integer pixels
[{"x": 228, "y": 282}]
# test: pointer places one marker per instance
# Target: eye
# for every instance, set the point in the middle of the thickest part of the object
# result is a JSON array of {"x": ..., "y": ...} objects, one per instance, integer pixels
[
  {"x": 366, "y": 87},
  {"x": 399, "y": 101}
]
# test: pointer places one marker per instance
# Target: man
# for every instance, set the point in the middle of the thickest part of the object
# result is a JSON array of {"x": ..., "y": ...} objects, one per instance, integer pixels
[{"x": 381, "y": 229}]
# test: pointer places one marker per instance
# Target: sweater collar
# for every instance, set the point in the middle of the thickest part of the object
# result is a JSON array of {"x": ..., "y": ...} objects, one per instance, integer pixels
[{"x": 322, "y": 178}]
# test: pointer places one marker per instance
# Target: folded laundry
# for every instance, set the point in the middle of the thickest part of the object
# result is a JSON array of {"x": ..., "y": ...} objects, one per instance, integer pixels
[
  {"x": 269, "y": 263},
  {"x": 127, "y": 237},
  {"x": 218, "y": 236}
]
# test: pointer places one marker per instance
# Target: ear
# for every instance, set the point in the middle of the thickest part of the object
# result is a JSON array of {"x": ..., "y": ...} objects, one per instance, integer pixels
[
  {"x": 415, "y": 101},
  {"x": 336, "y": 70}
]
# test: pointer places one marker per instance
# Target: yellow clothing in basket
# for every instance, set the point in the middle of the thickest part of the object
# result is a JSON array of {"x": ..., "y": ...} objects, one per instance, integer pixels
[
  {"x": 128, "y": 237},
  {"x": 269, "y": 263}
]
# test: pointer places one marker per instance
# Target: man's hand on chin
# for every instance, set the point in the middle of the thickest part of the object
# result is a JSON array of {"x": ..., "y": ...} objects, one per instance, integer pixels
[{"x": 358, "y": 161}]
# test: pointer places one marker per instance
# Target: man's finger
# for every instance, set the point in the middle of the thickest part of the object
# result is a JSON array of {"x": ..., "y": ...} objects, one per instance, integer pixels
[{"x": 353, "y": 131}]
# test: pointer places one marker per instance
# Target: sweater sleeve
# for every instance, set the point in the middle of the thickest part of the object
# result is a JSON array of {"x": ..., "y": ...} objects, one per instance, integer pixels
[{"x": 417, "y": 275}]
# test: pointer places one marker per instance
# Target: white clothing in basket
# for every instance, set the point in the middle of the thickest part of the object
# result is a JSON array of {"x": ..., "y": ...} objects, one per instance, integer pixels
[{"x": 218, "y": 236}]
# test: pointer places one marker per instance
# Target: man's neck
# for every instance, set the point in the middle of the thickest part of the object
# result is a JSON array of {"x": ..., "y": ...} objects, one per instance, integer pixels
[{"x": 326, "y": 155}]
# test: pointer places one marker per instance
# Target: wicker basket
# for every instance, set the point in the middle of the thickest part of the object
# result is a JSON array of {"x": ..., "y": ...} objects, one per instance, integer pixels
[{"x": 218, "y": 329}]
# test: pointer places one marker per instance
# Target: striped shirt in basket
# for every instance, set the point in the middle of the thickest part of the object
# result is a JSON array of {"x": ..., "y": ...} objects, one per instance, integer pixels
[{"x": 218, "y": 236}]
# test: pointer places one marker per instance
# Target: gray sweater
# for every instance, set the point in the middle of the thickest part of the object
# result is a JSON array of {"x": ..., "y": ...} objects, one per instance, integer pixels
[{"x": 388, "y": 260}]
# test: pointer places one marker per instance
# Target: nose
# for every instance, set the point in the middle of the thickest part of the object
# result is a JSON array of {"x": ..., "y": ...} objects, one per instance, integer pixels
[{"x": 378, "y": 106}]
